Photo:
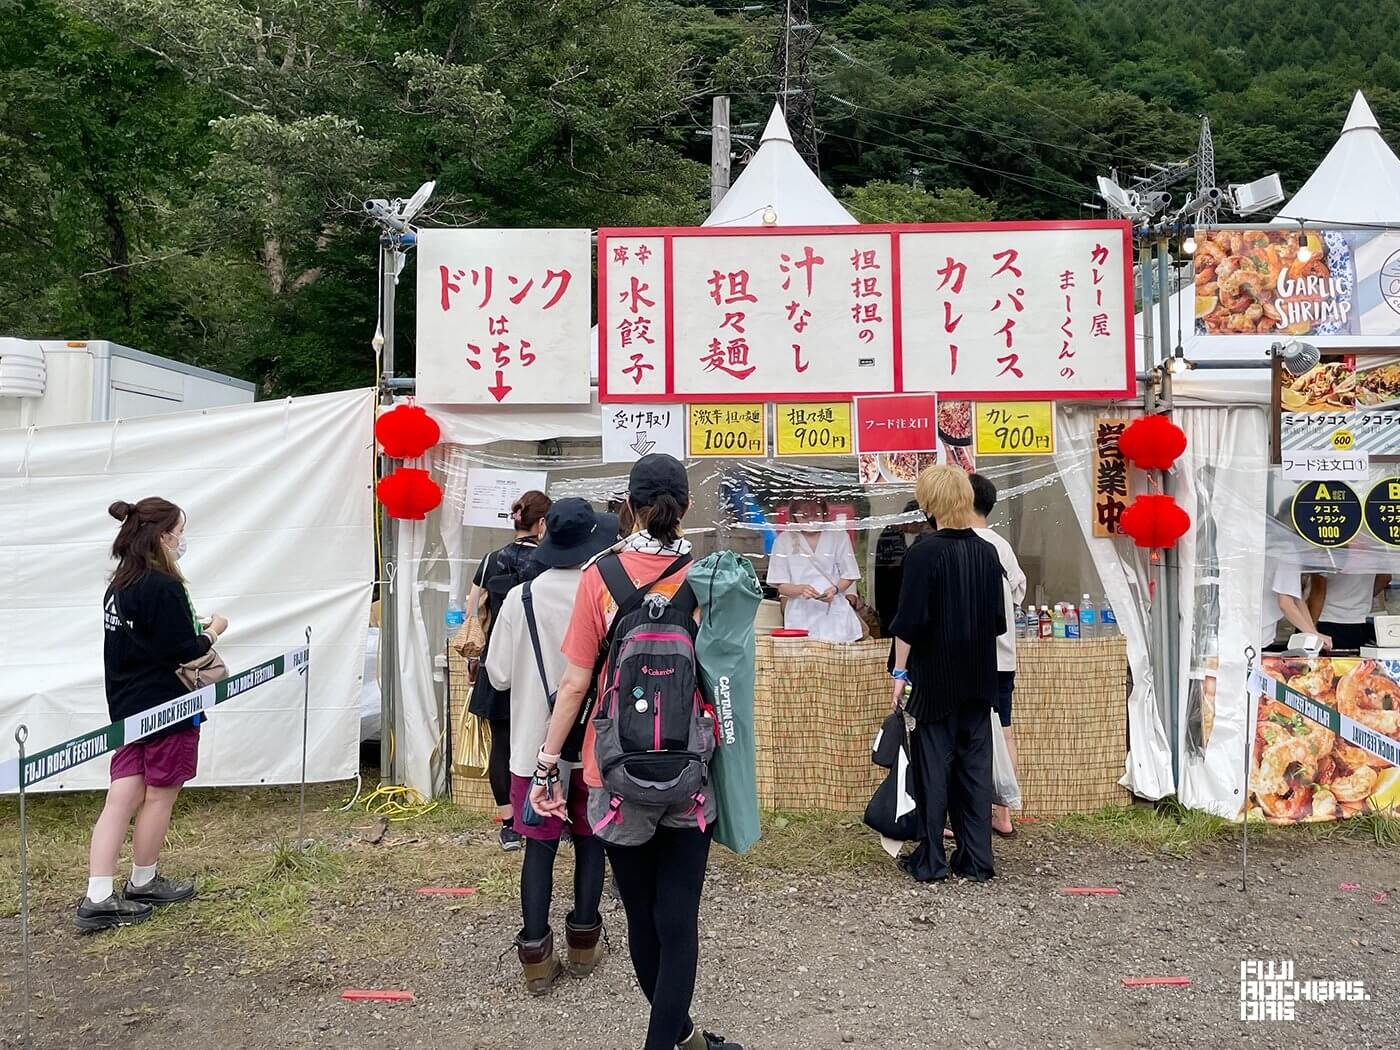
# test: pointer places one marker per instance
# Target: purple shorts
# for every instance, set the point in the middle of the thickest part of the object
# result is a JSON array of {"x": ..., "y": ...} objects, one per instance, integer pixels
[
  {"x": 166, "y": 761},
  {"x": 551, "y": 828}
]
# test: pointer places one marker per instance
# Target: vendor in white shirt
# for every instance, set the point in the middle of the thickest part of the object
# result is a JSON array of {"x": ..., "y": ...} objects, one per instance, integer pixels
[
  {"x": 815, "y": 571},
  {"x": 1283, "y": 600},
  {"x": 1347, "y": 601}
]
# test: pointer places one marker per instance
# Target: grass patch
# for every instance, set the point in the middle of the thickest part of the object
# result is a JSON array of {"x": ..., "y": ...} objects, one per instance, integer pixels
[{"x": 796, "y": 842}]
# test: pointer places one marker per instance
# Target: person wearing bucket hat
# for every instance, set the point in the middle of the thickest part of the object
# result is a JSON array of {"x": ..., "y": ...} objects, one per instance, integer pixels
[
  {"x": 658, "y": 853},
  {"x": 525, "y": 659}
]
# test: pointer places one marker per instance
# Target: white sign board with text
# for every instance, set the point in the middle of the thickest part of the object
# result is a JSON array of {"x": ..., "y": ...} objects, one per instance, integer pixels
[
  {"x": 503, "y": 317},
  {"x": 633, "y": 431},
  {"x": 490, "y": 494}
]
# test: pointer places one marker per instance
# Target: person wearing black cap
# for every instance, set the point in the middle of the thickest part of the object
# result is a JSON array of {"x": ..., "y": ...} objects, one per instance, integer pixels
[
  {"x": 529, "y": 664},
  {"x": 658, "y": 854}
]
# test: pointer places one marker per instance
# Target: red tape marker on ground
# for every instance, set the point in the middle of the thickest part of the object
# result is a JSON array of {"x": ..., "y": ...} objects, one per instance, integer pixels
[
  {"x": 356, "y": 995},
  {"x": 446, "y": 891},
  {"x": 1091, "y": 891},
  {"x": 1152, "y": 982}
]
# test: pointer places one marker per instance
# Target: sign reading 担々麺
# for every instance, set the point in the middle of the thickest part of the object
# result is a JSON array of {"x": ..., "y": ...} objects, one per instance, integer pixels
[
  {"x": 995, "y": 311},
  {"x": 813, "y": 429},
  {"x": 503, "y": 316},
  {"x": 728, "y": 430}
]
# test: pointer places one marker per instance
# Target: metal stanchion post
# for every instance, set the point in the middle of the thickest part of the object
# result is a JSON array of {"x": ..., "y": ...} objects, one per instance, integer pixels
[
  {"x": 1248, "y": 735},
  {"x": 21, "y": 735},
  {"x": 305, "y": 721}
]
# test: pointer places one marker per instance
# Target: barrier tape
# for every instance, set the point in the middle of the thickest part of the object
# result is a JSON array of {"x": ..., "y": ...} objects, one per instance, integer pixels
[
  {"x": 98, "y": 742},
  {"x": 1345, "y": 728}
]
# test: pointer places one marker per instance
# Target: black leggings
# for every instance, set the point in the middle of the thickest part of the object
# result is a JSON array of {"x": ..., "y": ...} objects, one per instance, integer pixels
[
  {"x": 537, "y": 883},
  {"x": 660, "y": 882},
  {"x": 498, "y": 766}
]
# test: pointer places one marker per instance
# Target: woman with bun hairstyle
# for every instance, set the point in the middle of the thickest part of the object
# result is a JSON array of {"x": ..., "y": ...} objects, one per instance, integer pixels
[
  {"x": 149, "y": 629},
  {"x": 498, "y": 573}
]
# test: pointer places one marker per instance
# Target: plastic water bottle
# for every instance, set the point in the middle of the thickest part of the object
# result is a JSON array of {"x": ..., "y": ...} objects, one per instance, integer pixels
[
  {"x": 1047, "y": 623},
  {"x": 1110, "y": 622},
  {"x": 456, "y": 616},
  {"x": 1020, "y": 623},
  {"x": 1088, "y": 618},
  {"x": 1071, "y": 623},
  {"x": 1057, "y": 623}
]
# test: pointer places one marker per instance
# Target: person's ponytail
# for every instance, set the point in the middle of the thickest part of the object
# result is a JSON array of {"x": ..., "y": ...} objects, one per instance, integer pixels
[{"x": 663, "y": 519}]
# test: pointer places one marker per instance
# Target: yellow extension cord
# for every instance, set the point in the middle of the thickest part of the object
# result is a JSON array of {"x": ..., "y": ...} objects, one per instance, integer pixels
[{"x": 396, "y": 803}]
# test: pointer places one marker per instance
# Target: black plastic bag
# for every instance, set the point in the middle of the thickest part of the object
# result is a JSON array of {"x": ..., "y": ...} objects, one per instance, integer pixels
[
  {"x": 884, "y": 752},
  {"x": 882, "y": 814}
]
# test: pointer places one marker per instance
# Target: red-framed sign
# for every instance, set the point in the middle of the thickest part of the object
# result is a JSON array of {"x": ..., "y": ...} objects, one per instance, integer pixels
[{"x": 984, "y": 311}]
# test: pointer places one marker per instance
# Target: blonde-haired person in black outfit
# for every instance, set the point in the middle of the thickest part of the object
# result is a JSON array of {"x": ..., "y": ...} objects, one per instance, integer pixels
[
  {"x": 950, "y": 615},
  {"x": 149, "y": 628}
]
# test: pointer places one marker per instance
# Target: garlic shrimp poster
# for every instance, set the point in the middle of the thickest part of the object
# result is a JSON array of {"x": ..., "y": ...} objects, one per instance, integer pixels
[{"x": 1290, "y": 281}]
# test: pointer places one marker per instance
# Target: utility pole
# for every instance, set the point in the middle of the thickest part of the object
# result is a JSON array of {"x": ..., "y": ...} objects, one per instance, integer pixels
[
  {"x": 719, "y": 151},
  {"x": 796, "y": 42}
]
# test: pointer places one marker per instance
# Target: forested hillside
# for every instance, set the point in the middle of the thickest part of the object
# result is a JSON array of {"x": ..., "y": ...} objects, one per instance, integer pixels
[{"x": 185, "y": 175}]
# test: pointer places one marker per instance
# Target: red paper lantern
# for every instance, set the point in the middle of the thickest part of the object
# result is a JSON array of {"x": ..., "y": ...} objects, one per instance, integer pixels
[
  {"x": 406, "y": 432},
  {"x": 1152, "y": 443},
  {"x": 409, "y": 493},
  {"x": 1154, "y": 521}
]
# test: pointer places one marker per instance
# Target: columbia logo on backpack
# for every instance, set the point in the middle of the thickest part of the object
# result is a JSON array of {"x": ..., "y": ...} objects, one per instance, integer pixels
[{"x": 653, "y": 729}]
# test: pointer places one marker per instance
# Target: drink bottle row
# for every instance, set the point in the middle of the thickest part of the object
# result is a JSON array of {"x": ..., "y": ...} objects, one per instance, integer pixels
[{"x": 1067, "y": 620}]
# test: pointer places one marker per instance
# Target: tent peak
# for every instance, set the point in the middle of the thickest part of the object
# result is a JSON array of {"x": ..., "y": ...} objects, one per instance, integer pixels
[
  {"x": 777, "y": 129},
  {"x": 1360, "y": 115}
]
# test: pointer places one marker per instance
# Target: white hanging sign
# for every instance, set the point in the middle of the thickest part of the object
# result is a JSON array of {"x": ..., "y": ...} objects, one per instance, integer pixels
[{"x": 633, "y": 431}]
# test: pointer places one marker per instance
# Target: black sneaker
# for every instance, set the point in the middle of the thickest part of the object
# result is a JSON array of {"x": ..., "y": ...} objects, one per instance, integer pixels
[
  {"x": 160, "y": 891},
  {"x": 718, "y": 1042},
  {"x": 114, "y": 911},
  {"x": 511, "y": 840}
]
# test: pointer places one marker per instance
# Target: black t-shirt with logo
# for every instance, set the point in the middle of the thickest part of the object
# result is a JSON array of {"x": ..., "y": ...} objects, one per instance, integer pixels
[{"x": 140, "y": 671}]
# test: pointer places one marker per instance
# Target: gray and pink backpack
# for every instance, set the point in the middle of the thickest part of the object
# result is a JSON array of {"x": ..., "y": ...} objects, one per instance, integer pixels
[{"x": 654, "y": 730}]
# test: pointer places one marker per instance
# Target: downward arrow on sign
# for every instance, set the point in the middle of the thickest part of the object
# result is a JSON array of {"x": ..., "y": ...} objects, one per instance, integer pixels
[
  {"x": 642, "y": 446},
  {"x": 500, "y": 390}
]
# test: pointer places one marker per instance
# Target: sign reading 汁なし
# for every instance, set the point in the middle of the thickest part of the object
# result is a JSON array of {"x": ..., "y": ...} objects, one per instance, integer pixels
[
  {"x": 503, "y": 316},
  {"x": 633, "y": 431},
  {"x": 994, "y": 311}
]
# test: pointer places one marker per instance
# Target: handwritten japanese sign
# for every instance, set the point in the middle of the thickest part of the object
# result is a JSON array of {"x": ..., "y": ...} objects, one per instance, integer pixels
[
  {"x": 633, "y": 431},
  {"x": 1016, "y": 428},
  {"x": 998, "y": 311},
  {"x": 1112, "y": 488},
  {"x": 503, "y": 316},
  {"x": 728, "y": 430},
  {"x": 897, "y": 423},
  {"x": 1331, "y": 466},
  {"x": 1382, "y": 511},
  {"x": 814, "y": 429},
  {"x": 1326, "y": 513}
]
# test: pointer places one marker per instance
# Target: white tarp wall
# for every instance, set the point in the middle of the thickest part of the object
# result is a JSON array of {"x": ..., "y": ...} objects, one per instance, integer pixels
[{"x": 279, "y": 508}]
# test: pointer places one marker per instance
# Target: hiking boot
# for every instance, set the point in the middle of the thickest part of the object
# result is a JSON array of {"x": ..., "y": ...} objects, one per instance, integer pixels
[
  {"x": 160, "y": 891},
  {"x": 114, "y": 911},
  {"x": 707, "y": 1041},
  {"x": 539, "y": 963},
  {"x": 511, "y": 840},
  {"x": 585, "y": 949}
]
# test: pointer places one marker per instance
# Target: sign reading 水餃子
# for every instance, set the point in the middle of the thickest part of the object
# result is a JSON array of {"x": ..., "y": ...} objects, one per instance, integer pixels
[
  {"x": 1015, "y": 428},
  {"x": 814, "y": 429},
  {"x": 994, "y": 311},
  {"x": 1112, "y": 487},
  {"x": 728, "y": 430},
  {"x": 633, "y": 431},
  {"x": 503, "y": 316}
]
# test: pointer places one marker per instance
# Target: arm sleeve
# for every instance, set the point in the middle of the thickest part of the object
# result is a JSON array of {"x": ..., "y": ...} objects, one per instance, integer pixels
[
  {"x": 587, "y": 628},
  {"x": 1016, "y": 577},
  {"x": 500, "y": 653},
  {"x": 171, "y": 624},
  {"x": 846, "y": 566},
  {"x": 779, "y": 571},
  {"x": 919, "y": 583},
  {"x": 1288, "y": 579}
]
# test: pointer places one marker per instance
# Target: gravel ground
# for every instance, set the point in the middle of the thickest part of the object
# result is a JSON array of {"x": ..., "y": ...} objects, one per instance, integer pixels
[{"x": 790, "y": 959}]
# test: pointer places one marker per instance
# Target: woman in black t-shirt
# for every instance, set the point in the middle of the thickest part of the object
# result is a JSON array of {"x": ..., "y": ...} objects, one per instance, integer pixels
[
  {"x": 951, "y": 611},
  {"x": 149, "y": 629},
  {"x": 498, "y": 572}
]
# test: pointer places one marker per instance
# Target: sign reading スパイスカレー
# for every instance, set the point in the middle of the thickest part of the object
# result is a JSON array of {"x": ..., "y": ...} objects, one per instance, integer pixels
[
  {"x": 814, "y": 429},
  {"x": 734, "y": 431},
  {"x": 897, "y": 423},
  {"x": 503, "y": 316},
  {"x": 993, "y": 311},
  {"x": 1016, "y": 428}
]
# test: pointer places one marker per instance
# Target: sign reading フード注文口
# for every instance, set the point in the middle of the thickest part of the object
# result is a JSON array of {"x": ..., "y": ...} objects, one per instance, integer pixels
[
  {"x": 503, "y": 316},
  {"x": 1005, "y": 311}
]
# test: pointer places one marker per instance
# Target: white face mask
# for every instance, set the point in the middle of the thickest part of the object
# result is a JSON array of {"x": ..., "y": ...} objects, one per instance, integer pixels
[{"x": 178, "y": 551}]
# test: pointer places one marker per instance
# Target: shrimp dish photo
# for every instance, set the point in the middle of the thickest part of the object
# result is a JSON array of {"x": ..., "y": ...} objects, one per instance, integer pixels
[{"x": 1251, "y": 282}]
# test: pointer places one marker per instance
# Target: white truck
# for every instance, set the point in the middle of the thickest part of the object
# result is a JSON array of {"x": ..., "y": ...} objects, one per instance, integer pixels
[{"x": 49, "y": 382}]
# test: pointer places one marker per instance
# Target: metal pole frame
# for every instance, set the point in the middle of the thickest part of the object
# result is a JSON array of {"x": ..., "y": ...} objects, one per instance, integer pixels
[
  {"x": 22, "y": 735},
  {"x": 388, "y": 535},
  {"x": 305, "y": 724},
  {"x": 1248, "y": 735}
]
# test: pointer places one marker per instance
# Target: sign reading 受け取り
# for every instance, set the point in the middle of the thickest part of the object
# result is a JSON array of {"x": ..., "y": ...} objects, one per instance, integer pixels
[
  {"x": 996, "y": 311},
  {"x": 503, "y": 316}
]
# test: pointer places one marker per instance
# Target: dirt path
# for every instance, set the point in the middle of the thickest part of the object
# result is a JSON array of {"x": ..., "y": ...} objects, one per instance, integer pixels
[{"x": 791, "y": 958}]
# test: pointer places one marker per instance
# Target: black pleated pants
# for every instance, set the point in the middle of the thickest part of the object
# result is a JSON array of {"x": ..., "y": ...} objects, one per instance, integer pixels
[{"x": 952, "y": 775}]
